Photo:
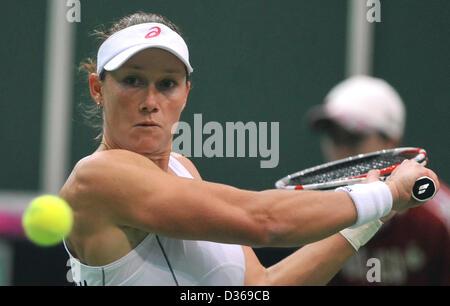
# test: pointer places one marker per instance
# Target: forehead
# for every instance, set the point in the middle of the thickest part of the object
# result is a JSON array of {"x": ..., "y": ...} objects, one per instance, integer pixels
[{"x": 155, "y": 59}]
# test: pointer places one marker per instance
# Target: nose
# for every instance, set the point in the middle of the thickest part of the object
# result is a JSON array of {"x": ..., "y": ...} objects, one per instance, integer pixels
[{"x": 150, "y": 102}]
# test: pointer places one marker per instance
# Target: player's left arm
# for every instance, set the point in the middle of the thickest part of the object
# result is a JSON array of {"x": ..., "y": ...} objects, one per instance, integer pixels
[{"x": 314, "y": 264}]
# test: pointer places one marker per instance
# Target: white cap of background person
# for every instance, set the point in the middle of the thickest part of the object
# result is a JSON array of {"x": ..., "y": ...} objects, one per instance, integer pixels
[{"x": 362, "y": 104}]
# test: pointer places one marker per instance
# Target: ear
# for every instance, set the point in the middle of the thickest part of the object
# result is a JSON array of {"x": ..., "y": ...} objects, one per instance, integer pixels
[
  {"x": 95, "y": 88},
  {"x": 188, "y": 89}
]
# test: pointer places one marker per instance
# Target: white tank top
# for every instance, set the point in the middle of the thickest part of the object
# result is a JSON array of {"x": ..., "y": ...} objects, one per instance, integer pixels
[{"x": 164, "y": 261}]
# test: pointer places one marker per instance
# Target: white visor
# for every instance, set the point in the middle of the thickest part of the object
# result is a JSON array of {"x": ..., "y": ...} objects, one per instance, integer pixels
[{"x": 122, "y": 45}]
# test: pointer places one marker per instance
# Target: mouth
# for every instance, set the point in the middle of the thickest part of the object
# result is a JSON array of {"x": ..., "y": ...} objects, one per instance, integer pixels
[{"x": 147, "y": 124}]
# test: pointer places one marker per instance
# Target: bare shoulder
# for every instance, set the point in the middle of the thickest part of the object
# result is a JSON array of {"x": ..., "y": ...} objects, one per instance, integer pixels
[
  {"x": 187, "y": 163},
  {"x": 101, "y": 163},
  {"x": 101, "y": 189},
  {"x": 98, "y": 173},
  {"x": 113, "y": 157}
]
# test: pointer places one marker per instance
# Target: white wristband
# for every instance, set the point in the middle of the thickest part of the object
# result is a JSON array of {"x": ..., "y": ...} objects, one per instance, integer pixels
[
  {"x": 359, "y": 236},
  {"x": 372, "y": 201}
]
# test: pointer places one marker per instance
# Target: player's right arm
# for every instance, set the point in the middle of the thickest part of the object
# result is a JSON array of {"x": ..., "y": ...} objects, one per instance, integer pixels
[{"x": 133, "y": 192}]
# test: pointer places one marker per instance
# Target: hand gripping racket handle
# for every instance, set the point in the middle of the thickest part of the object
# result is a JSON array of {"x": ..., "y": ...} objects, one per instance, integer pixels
[{"x": 424, "y": 189}]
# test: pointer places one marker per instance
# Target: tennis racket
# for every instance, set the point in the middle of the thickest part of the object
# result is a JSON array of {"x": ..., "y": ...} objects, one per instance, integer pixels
[{"x": 353, "y": 170}]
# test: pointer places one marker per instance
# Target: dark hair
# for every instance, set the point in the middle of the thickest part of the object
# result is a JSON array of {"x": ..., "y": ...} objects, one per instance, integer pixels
[{"x": 92, "y": 114}]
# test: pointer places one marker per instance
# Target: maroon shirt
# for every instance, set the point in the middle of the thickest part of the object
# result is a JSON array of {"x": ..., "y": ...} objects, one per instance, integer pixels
[{"x": 413, "y": 248}]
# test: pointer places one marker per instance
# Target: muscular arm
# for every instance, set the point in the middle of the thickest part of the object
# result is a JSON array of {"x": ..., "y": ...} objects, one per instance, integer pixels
[
  {"x": 134, "y": 192},
  {"x": 314, "y": 264}
]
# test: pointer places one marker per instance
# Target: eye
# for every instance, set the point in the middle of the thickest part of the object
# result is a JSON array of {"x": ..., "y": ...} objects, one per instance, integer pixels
[
  {"x": 167, "y": 84},
  {"x": 133, "y": 81}
]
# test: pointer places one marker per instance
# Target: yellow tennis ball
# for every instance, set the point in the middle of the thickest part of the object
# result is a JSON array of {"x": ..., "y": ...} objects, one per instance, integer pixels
[{"x": 47, "y": 220}]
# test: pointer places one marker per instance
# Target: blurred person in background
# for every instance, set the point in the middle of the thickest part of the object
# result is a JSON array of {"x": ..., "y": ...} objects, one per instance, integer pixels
[{"x": 364, "y": 114}]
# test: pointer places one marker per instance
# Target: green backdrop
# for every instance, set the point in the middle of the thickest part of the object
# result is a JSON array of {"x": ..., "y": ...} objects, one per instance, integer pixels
[{"x": 254, "y": 60}]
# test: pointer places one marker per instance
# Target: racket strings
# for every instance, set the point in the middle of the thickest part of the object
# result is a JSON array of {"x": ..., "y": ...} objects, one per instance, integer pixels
[{"x": 348, "y": 169}]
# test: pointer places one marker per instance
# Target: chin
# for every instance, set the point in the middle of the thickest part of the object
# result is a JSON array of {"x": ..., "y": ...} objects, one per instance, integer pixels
[
  {"x": 149, "y": 147},
  {"x": 145, "y": 148}
]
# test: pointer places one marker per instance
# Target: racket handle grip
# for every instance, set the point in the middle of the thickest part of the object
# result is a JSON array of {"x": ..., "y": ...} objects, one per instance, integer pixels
[{"x": 424, "y": 189}]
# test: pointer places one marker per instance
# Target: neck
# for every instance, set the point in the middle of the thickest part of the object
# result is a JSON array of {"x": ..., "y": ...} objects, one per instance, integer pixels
[{"x": 161, "y": 160}]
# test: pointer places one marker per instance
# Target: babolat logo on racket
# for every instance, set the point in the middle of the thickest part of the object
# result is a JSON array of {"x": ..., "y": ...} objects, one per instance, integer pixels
[{"x": 423, "y": 188}]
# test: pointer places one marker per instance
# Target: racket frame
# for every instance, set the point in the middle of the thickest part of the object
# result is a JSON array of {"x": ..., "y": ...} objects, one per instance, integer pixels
[{"x": 421, "y": 158}]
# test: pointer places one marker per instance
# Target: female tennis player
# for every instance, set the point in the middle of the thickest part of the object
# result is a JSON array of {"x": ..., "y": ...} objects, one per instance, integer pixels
[{"x": 144, "y": 216}]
